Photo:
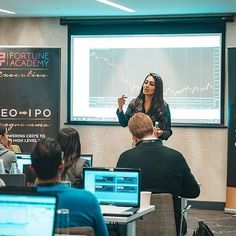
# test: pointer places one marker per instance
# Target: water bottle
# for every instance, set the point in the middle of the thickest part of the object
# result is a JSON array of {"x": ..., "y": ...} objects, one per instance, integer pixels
[
  {"x": 14, "y": 169},
  {"x": 63, "y": 221},
  {"x": 2, "y": 169},
  {"x": 156, "y": 124}
]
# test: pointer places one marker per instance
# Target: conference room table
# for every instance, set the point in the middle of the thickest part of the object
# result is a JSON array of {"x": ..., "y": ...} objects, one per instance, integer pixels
[{"x": 130, "y": 221}]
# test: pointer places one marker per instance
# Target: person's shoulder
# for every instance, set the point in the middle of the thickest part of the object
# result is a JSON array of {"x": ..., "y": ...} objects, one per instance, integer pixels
[
  {"x": 7, "y": 153},
  {"x": 136, "y": 101},
  {"x": 165, "y": 105},
  {"x": 86, "y": 197},
  {"x": 82, "y": 193},
  {"x": 124, "y": 157},
  {"x": 127, "y": 152},
  {"x": 173, "y": 151},
  {"x": 12, "y": 155},
  {"x": 79, "y": 163}
]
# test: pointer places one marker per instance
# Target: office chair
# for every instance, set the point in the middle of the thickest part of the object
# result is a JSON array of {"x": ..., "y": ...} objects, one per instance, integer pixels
[{"x": 161, "y": 221}]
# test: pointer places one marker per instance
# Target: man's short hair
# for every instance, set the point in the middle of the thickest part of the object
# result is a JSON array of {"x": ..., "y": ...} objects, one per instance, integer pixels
[
  {"x": 140, "y": 125},
  {"x": 46, "y": 158}
]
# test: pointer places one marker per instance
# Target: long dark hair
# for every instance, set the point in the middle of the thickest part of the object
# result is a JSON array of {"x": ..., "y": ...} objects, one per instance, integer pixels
[
  {"x": 3, "y": 129},
  {"x": 69, "y": 140},
  {"x": 158, "y": 103}
]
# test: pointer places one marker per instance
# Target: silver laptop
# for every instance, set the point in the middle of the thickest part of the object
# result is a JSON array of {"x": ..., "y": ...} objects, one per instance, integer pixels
[
  {"x": 27, "y": 214},
  {"x": 117, "y": 190}
]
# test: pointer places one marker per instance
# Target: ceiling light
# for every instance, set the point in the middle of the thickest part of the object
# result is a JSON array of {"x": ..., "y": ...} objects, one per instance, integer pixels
[
  {"x": 9, "y": 12},
  {"x": 116, "y": 5}
]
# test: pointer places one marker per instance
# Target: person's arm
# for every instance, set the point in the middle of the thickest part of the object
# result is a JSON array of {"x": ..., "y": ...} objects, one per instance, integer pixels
[
  {"x": 10, "y": 157},
  {"x": 124, "y": 117},
  {"x": 100, "y": 225},
  {"x": 123, "y": 120},
  {"x": 190, "y": 186},
  {"x": 120, "y": 162},
  {"x": 167, "y": 132}
]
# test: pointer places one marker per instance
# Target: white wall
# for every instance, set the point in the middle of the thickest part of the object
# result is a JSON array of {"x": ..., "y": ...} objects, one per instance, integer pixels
[{"x": 205, "y": 149}]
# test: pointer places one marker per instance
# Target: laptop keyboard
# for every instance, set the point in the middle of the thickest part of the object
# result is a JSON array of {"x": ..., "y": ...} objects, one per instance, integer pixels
[
  {"x": 118, "y": 211},
  {"x": 113, "y": 209}
]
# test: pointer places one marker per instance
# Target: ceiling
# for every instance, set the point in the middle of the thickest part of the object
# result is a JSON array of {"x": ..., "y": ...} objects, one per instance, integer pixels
[{"x": 89, "y": 8}]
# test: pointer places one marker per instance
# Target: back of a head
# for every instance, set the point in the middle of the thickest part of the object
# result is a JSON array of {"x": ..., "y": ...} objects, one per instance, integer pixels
[
  {"x": 46, "y": 158},
  {"x": 69, "y": 140},
  {"x": 140, "y": 125}
]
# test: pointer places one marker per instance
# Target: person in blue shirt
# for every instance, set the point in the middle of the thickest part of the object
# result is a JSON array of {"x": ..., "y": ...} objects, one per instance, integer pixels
[{"x": 48, "y": 164}]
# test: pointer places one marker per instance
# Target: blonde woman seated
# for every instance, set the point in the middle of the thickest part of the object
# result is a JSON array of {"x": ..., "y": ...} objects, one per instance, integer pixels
[{"x": 69, "y": 140}]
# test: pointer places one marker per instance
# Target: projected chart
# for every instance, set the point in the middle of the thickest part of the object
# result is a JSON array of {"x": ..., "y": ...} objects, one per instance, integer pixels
[{"x": 190, "y": 67}]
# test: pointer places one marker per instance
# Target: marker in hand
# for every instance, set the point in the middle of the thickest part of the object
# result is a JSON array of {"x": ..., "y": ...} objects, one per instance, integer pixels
[{"x": 121, "y": 102}]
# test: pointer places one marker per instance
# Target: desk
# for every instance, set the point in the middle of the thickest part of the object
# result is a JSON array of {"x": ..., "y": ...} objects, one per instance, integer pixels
[
  {"x": 130, "y": 221},
  {"x": 67, "y": 235}
]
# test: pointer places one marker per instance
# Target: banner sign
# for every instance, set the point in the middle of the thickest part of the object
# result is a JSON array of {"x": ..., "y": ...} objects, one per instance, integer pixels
[
  {"x": 230, "y": 206},
  {"x": 29, "y": 94},
  {"x": 231, "y": 170}
]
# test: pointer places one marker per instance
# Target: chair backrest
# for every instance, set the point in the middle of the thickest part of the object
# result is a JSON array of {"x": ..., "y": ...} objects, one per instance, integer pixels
[
  {"x": 161, "y": 221},
  {"x": 88, "y": 231}
]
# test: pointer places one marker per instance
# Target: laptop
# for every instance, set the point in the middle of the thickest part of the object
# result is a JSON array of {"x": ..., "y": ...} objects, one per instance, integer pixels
[
  {"x": 27, "y": 214},
  {"x": 22, "y": 160},
  {"x": 117, "y": 190},
  {"x": 16, "y": 180},
  {"x": 88, "y": 159}
]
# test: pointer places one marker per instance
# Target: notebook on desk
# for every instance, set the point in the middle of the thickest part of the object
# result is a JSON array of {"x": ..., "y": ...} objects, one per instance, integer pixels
[
  {"x": 117, "y": 190},
  {"x": 27, "y": 214}
]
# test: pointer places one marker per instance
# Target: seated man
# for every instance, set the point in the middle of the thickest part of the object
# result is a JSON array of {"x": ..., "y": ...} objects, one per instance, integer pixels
[
  {"x": 83, "y": 206},
  {"x": 164, "y": 170}
]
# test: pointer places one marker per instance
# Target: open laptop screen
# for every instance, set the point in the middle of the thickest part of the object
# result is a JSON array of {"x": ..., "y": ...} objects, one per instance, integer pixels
[
  {"x": 88, "y": 159},
  {"x": 27, "y": 214},
  {"x": 23, "y": 159},
  {"x": 119, "y": 187}
]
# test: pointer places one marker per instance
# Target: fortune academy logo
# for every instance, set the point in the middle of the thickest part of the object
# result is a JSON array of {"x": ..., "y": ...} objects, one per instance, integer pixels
[{"x": 2, "y": 58}]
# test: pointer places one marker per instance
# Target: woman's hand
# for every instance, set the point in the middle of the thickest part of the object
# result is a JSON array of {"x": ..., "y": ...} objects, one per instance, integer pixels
[
  {"x": 158, "y": 132},
  {"x": 8, "y": 144},
  {"x": 121, "y": 102}
]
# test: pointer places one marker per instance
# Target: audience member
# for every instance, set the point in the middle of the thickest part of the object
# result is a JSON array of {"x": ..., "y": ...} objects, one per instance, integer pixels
[
  {"x": 5, "y": 146},
  {"x": 164, "y": 170},
  {"x": 83, "y": 206},
  {"x": 149, "y": 101},
  {"x": 69, "y": 140}
]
